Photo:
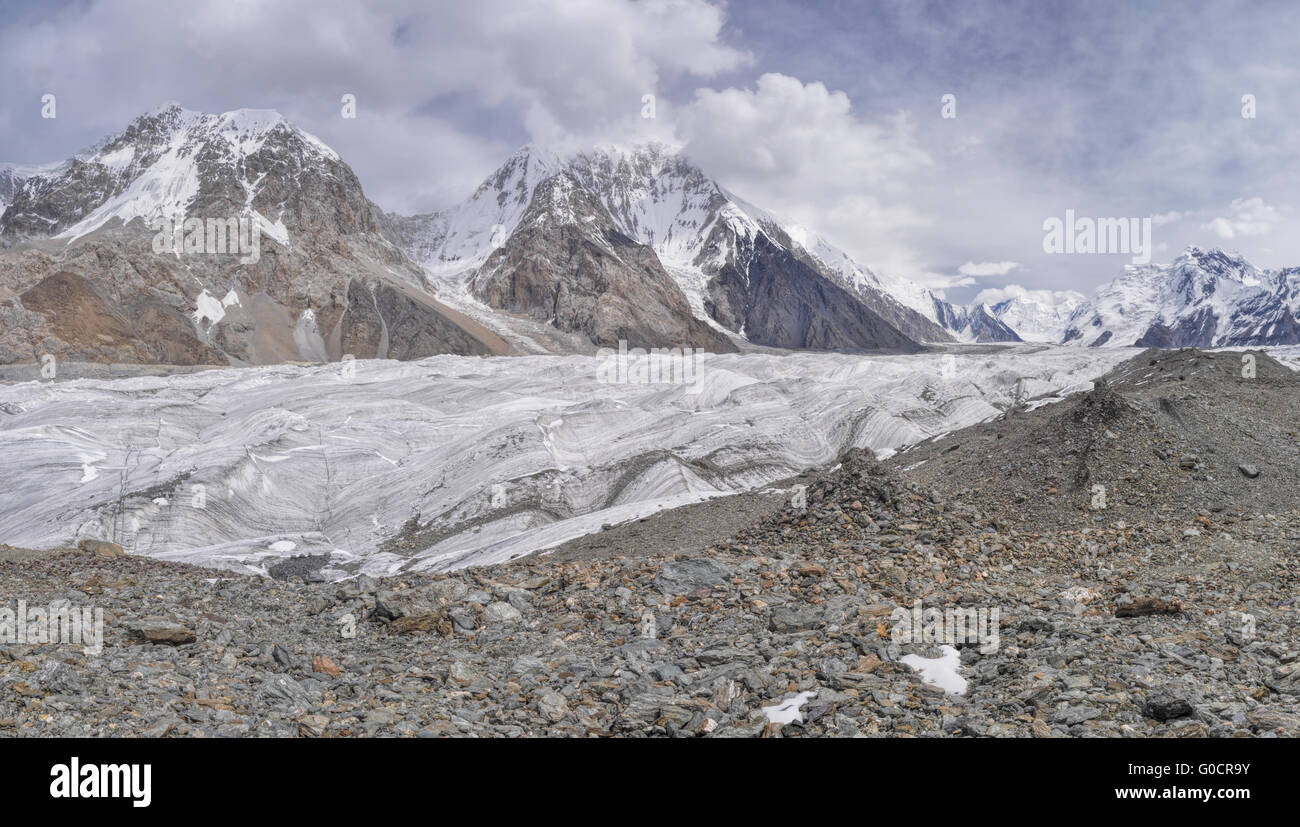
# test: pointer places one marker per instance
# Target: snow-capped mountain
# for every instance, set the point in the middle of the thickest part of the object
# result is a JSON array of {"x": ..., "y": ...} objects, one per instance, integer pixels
[
  {"x": 158, "y": 166},
  {"x": 12, "y": 177},
  {"x": 739, "y": 268},
  {"x": 973, "y": 322},
  {"x": 962, "y": 322},
  {"x": 1038, "y": 316},
  {"x": 1205, "y": 298},
  {"x": 313, "y": 280}
]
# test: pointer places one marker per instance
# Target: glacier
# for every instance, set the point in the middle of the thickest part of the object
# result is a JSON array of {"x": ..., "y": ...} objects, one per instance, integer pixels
[{"x": 453, "y": 461}]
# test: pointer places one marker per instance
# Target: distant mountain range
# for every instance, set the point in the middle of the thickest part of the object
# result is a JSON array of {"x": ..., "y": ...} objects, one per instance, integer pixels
[
  {"x": 1205, "y": 298},
  {"x": 550, "y": 254}
]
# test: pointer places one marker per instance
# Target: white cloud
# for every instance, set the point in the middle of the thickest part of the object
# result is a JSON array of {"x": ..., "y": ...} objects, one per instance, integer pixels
[
  {"x": 799, "y": 149},
  {"x": 1250, "y": 217},
  {"x": 1160, "y": 219},
  {"x": 985, "y": 269},
  {"x": 556, "y": 70}
]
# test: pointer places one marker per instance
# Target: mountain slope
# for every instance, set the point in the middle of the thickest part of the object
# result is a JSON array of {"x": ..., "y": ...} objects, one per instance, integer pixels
[
  {"x": 568, "y": 264},
  {"x": 313, "y": 279},
  {"x": 1035, "y": 318},
  {"x": 974, "y": 323},
  {"x": 1205, "y": 298},
  {"x": 704, "y": 237}
]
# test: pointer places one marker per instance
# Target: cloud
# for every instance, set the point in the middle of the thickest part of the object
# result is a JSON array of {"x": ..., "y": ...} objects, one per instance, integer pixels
[
  {"x": 1250, "y": 217},
  {"x": 800, "y": 150},
  {"x": 445, "y": 91},
  {"x": 823, "y": 116},
  {"x": 985, "y": 269}
]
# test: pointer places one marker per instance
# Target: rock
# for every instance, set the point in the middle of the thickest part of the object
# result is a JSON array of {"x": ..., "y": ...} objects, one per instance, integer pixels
[
  {"x": 391, "y": 604},
  {"x": 1073, "y": 715},
  {"x": 101, "y": 548},
  {"x": 1149, "y": 606},
  {"x": 160, "y": 727},
  {"x": 641, "y": 648},
  {"x": 1164, "y": 706},
  {"x": 284, "y": 690},
  {"x": 553, "y": 706},
  {"x": 460, "y": 674},
  {"x": 683, "y": 576},
  {"x": 283, "y": 657},
  {"x": 57, "y": 678},
  {"x": 348, "y": 626},
  {"x": 789, "y": 619},
  {"x": 1286, "y": 679},
  {"x": 313, "y": 726},
  {"x": 382, "y": 717},
  {"x": 437, "y": 622},
  {"x": 325, "y": 666},
  {"x": 1250, "y": 472},
  {"x": 501, "y": 613},
  {"x": 160, "y": 630},
  {"x": 1270, "y": 719}
]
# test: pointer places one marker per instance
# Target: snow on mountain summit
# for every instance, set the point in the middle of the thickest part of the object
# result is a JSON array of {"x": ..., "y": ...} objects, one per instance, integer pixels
[
  {"x": 1204, "y": 298},
  {"x": 657, "y": 196},
  {"x": 155, "y": 168}
]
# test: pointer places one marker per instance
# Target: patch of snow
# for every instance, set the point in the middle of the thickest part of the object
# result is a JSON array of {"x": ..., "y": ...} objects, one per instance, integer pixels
[
  {"x": 940, "y": 671},
  {"x": 788, "y": 710}
]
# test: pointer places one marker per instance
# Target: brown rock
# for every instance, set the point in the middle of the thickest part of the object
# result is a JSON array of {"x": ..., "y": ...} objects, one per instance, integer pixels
[
  {"x": 101, "y": 548},
  {"x": 325, "y": 666},
  {"x": 1149, "y": 606},
  {"x": 432, "y": 622},
  {"x": 157, "y": 630}
]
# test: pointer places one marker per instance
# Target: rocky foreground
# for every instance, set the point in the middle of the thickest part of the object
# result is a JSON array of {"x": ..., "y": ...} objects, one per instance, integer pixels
[
  {"x": 1168, "y": 609},
  {"x": 1127, "y": 630}
]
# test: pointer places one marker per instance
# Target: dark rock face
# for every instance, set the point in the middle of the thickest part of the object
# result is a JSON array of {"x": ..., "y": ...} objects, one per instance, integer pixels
[
  {"x": 780, "y": 301},
  {"x": 976, "y": 321},
  {"x": 569, "y": 266},
  {"x": 1196, "y": 330},
  {"x": 906, "y": 320},
  {"x": 1267, "y": 319}
]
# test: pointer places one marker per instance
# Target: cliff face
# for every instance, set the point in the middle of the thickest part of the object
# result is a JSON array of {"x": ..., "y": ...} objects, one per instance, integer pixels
[{"x": 568, "y": 265}]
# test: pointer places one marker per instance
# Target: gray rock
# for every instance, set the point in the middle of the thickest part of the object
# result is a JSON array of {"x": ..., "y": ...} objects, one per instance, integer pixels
[
  {"x": 553, "y": 706},
  {"x": 684, "y": 576},
  {"x": 284, "y": 690},
  {"x": 501, "y": 613},
  {"x": 58, "y": 678},
  {"x": 791, "y": 619}
]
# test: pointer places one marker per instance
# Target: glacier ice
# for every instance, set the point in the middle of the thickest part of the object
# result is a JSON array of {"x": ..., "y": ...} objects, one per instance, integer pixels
[{"x": 453, "y": 461}]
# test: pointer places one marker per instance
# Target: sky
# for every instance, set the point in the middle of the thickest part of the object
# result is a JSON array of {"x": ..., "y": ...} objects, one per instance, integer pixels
[{"x": 828, "y": 114}]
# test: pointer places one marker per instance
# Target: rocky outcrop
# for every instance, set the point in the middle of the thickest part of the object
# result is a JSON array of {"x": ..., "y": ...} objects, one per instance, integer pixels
[
  {"x": 569, "y": 266},
  {"x": 778, "y": 300},
  {"x": 974, "y": 322}
]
